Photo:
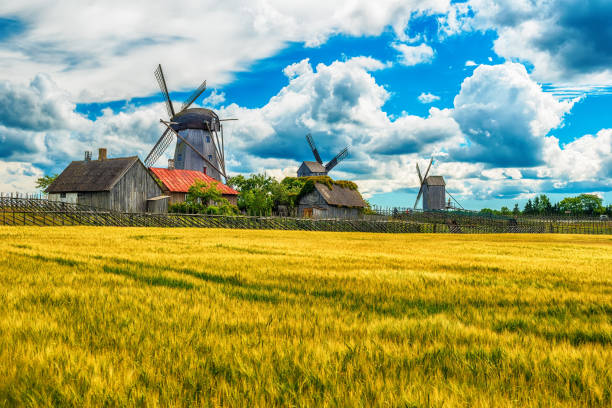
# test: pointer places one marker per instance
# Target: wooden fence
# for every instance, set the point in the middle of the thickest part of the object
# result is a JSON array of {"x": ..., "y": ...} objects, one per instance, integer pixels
[{"x": 41, "y": 212}]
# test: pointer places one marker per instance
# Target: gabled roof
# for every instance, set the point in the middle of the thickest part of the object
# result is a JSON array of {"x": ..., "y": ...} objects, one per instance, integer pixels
[
  {"x": 91, "y": 175},
  {"x": 435, "y": 181},
  {"x": 179, "y": 181},
  {"x": 314, "y": 167},
  {"x": 340, "y": 196}
]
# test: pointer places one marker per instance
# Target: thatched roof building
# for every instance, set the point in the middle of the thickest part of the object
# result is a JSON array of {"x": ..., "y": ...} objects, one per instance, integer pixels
[{"x": 331, "y": 200}]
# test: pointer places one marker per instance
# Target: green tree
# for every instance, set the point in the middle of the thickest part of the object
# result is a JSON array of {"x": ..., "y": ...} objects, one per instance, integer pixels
[
  {"x": 516, "y": 210},
  {"x": 204, "y": 198},
  {"x": 253, "y": 182},
  {"x": 536, "y": 205},
  {"x": 505, "y": 211},
  {"x": 528, "y": 208},
  {"x": 205, "y": 193},
  {"x": 261, "y": 194},
  {"x": 293, "y": 186},
  {"x": 542, "y": 204},
  {"x": 256, "y": 202},
  {"x": 584, "y": 204},
  {"x": 45, "y": 181},
  {"x": 488, "y": 211}
]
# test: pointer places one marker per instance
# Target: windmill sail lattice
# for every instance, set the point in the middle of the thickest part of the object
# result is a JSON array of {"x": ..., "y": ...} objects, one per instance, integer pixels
[
  {"x": 161, "y": 80},
  {"x": 337, "y": 159},
  {"x": 313, "y": 147}
]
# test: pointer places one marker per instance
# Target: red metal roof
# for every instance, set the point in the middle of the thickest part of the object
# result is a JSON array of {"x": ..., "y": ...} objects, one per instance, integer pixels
[{"x": 179, "y": 181}]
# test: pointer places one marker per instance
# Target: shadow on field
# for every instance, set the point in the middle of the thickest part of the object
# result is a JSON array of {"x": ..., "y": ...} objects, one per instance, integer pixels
[
  {"x": 379, "y": 300},
  {"x": 156, "y": 280}
]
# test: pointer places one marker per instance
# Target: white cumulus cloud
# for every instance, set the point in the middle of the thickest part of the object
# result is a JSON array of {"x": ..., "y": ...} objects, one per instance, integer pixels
[
  {"x": 505, "y": 116},
  {"x": 568, "y": 42},
  {"x": 428, "y": 97},
  {"x": 107, "y": 51},
  {"x": 414, "y": 54}
]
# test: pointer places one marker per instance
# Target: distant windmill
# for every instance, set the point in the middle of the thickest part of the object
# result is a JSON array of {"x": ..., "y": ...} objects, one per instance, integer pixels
[
  {"x": 433, "y": 190},
  {"x": 199, "y": 133},
  {"x": 316, "y": 168}
]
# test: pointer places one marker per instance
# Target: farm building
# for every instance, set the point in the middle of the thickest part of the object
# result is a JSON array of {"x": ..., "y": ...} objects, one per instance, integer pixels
[
  {"x": 120, "y": 184},
  {"x": 434, "y": 193},
  {"x": 336, "y": 202},
  {"x": 176, "y": 183}
]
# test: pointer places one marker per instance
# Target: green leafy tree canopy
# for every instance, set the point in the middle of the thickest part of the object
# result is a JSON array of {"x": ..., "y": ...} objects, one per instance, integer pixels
[{"x": 45, "y": 181}]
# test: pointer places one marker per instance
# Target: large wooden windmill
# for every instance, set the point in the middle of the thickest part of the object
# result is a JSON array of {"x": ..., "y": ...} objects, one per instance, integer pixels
[
  {"x": 198, "y": 132},
  {"x": 316, "y": 168}
]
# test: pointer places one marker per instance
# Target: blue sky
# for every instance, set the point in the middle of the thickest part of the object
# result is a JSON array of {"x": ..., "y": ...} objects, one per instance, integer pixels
[{"x": 506, "y": 113}]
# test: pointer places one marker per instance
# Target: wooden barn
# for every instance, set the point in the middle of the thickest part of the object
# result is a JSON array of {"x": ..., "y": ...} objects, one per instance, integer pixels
[
  {"x": 176, "y": 183},
  {"x": 335, "y": 202},
  {"x": 121, "y": 184}
]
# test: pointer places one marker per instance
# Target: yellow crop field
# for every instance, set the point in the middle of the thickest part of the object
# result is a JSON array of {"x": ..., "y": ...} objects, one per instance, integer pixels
[{"x": 93, "y": 316}]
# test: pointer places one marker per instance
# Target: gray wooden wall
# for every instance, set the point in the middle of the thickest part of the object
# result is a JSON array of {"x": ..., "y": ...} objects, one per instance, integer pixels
[
  {"x": 434, "y": 197},
  {"x": 131, "y": 192},
  {"x": 98, "y": 199}
]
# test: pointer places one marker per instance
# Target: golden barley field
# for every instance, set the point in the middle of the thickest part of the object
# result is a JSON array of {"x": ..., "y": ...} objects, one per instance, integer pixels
[{"x": 104, "y": 316}]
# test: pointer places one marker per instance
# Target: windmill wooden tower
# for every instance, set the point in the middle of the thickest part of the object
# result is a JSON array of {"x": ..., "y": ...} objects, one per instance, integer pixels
[
  {"x": 316, "y": 168},
  {"x": 198, "y": 132},
  {"x": 433, "y": 190}
]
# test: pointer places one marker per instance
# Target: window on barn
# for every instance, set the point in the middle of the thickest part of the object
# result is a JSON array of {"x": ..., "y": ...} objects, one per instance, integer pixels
[
  {"x": 207, "y": 139},
  {"x": 62, "y": 195}
]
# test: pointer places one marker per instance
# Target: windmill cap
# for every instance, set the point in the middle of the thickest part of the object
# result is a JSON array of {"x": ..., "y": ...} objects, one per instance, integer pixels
[
  {"x": 196, "y": 118},
  {"x": 435, "y": 181}
]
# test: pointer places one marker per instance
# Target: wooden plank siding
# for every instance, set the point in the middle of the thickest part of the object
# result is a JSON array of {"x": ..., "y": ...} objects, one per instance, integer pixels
[
  {"x": 434, "y": 197},
  {"x": 131, "y": 192},
  {"x": 314, "y": 205},
  {"x": 97, "y": 199}
]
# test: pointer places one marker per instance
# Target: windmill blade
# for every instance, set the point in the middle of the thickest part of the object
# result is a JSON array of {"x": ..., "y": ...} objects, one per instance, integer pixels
[
  {"x": 418, "y": 197},
  {"x": 214, "y": 138},
  {"x": 427, "y": 172},
  {"x": 161, "y": 80},
  {"x": 159, "y": 148},
  {"x": 313, "y": 147},
  {"x": 419, "y": 173},
  {"x": 422, "y": 181},
  {"x": 193, "y": 96},
  {"x": 339, "y": 157}
]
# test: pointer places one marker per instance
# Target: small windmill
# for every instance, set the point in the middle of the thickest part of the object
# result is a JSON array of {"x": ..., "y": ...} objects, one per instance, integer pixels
[
  {"x": 316, "y": 168},
  {"x": 199, "y": 134},
  {"x": 433, "y": 190}
]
